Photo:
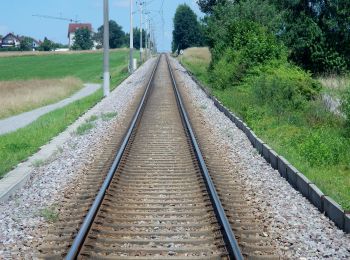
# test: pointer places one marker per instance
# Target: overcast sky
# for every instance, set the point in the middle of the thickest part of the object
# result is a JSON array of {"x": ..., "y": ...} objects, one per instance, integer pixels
[{"x": 16, "y": 16}]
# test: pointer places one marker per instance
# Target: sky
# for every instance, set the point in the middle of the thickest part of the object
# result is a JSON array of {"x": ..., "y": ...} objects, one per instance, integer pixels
[{"x": 17, "y": 17}]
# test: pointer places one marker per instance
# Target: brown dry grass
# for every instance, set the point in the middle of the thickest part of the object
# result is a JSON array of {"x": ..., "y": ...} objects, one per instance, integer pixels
[
  {"x": 24, "y": 95},
  {"x": 198, "y": 54},
  {"x": 335, "y": 82}
]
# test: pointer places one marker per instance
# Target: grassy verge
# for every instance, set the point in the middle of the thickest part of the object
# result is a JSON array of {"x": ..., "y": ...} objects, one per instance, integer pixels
[
  {"x": 17, "y": 146},
  {"x": 313, "y": 140}
]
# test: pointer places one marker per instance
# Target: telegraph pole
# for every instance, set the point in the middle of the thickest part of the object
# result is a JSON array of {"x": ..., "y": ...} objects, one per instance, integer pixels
[
  {"x": 106, "y": 75},
  {"x": 141, "y": 3},
  {"x": 131, "y": 65}
]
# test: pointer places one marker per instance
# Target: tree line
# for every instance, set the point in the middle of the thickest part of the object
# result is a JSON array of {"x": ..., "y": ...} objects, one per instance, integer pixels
[
  {"x": 316, "y": 33},
  {"x": 84, "y": 39}
]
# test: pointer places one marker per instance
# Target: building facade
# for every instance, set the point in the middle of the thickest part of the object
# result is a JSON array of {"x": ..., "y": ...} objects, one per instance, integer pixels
[{"x": 73, "y": 27}]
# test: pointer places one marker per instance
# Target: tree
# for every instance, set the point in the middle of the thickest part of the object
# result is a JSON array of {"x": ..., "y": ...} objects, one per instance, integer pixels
[
  {"x": 47, "y": 45},
  {"x": 82, "y": 40},
  {"x": 207, "y": 6},
  {"x": 116, "y": 35},
  {"x": 187, "y": 31},
  {"x": 26, "y": 44},
  {"x": 137, "y": 38}
]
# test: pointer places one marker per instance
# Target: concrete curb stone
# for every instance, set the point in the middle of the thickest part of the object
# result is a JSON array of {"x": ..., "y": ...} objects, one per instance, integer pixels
[
  {"x": 259, "y": 145},
  {"x": 302, "y": 184},
  {"x": 334, "y": 211},
  {"x": 282, "y": 166},
  {"x": 316, "y": 196},
  {"x": 347, "y": 223},
  {"x": 266, "y": 152},
  {"x": 273, "y": 159},
  {"x": 292, "y": 175}
]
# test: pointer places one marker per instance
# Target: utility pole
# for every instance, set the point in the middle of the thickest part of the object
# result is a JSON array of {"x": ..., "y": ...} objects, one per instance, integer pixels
[
  {"x": 141, "y": 3},
  {"x": 131, "y": 65},
  {"x": 149, "y": 36},
  {"x": 106, "y": 75}
]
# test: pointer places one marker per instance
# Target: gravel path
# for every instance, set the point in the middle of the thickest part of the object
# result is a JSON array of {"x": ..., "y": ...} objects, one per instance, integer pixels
[
  {"x": 13, "y": 123},
  {"x": 298, "y": 228},
  {"x": 23, "y": 215}
]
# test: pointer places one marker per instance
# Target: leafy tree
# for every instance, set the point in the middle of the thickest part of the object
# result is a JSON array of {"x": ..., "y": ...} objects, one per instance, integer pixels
[
  {"x": 46, "y": 45},
  {"x": 26, "y": 44},
  {"x": 82, "y": 40},
  {"x": 207, "y": 6},
  {"x": 116, "y": 35},
  {"x": 136, "y": 34},
  {"x": 187, "y": 31},
  {"x": 317, "y": 33}
]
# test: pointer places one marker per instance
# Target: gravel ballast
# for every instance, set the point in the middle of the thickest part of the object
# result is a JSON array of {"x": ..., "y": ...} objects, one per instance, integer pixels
[
  {"x": 298, "y": 228},
  {"x": 27, "y": 212}
]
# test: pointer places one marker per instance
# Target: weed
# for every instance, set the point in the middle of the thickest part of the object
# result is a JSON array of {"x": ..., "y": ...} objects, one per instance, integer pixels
[
  {"x": 203, "y": 107},
  {"x": 50, "y": 214},
  {"x": 108, "y": 116},
  {"x": 92, "y": 118},
  {"x": 84, "y": 128},
  {"x": 38, "y": 163}
]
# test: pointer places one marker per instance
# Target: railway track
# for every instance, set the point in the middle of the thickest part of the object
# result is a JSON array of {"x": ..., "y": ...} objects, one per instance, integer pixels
[{"x": 157, "y": 199}]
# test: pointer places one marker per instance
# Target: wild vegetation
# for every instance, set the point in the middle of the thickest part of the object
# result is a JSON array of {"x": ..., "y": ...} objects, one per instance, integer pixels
[{"x": 258, "y": 71}]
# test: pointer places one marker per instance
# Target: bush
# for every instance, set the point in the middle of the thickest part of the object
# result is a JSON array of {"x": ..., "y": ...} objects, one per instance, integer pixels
[
  {"x": 322, "y": 148},
  {"x": 283, "y": 86},
  {"x": 248, "y": 45}
]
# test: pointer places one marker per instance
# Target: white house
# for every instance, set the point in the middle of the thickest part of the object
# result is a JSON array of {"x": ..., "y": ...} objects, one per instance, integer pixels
[
  {"x": 73, "y": 27},
  {"x": 10, "y": 40}
]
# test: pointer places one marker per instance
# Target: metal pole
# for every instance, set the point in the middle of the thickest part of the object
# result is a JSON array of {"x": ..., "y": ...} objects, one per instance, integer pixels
[
  {"x": 146, "y": 42},
  {"x": 141, "y": 3},
  {"x": 149, "y": 37},
  {"x": 131, "y": 65},
  {"x": 106, "y": 75}
]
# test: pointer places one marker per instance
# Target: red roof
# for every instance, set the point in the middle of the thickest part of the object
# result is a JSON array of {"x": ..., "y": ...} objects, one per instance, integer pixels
[{"x": 75, "y": 26}]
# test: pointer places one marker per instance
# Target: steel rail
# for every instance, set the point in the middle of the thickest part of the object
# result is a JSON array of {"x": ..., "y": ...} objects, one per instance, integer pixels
[
  {"x": 86, "y": 225},
  {"x": 229, "y": 237}
]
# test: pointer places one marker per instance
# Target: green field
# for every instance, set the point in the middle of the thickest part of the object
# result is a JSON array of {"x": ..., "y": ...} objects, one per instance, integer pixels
[
  {"x": 85, "y": 66},
  {"x": 17, "y": 146},
  {"x": 315, "y": 141}
]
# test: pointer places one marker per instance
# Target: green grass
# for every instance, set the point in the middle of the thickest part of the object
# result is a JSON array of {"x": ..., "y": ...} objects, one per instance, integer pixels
[
  {"x": 85, "y": 66},
  {"x": 314, "y": 141},
  {"x": 50, "y": 214},
  {"x": 17, "y": 146},
  {"x": 84, "y": 128},
  {"x": 108, "y": 116}
]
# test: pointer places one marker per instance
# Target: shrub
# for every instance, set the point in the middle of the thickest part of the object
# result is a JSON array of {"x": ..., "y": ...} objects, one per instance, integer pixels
[
  {"x": 283, "y": 86},
  {"x": 322, "y": 148},
  {"x": 247, "y": 45}
]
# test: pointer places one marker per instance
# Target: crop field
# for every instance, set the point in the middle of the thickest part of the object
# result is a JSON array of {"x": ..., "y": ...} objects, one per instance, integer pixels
[{"x": 314, "y": 140}]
